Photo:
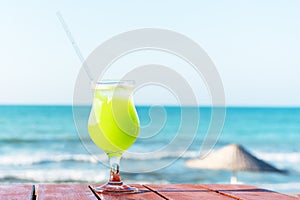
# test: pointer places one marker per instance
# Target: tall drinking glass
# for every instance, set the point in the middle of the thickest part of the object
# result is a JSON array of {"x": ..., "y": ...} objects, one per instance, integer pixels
[{"x": 114, "y": 126}]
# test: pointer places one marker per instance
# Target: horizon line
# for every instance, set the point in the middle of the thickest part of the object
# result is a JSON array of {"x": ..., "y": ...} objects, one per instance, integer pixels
[{"x": 166, "y": 105}]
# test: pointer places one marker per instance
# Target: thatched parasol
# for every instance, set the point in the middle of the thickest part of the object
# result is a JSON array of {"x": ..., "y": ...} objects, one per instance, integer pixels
[{"x": 232, "y": 157}]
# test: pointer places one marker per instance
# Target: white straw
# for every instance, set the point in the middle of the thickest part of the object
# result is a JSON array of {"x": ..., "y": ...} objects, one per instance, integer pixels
[{"x": 75, "y": 47}]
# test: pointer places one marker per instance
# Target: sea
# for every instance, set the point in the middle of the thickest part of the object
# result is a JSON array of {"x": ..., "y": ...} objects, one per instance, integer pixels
[{"x": 44, "y": 144}]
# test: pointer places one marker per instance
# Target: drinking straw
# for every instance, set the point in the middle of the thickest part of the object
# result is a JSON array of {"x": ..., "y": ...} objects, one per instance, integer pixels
[{"x": 75, "y": 46}]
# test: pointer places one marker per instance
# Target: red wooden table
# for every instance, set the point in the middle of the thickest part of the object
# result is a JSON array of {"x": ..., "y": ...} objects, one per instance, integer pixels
[{"x": 146, "y": 191}]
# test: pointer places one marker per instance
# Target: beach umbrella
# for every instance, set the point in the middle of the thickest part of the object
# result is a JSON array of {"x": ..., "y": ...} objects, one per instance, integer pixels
[{"x": 232, "y": 157}]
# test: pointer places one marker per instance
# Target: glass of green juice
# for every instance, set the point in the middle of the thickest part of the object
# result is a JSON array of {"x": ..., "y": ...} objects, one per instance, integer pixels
[{"x": 114, "y": 126}]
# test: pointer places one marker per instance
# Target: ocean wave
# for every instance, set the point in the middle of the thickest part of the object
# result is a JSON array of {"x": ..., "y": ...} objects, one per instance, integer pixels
[
  {"x": 161, "y": 155},
  {"x": 290, "y": 157},
  {"x": 19, "y": 160},
  {"x": 36, "y": 159},
  {"x": 282, "y": 187},
  {"x": 53, "y": 175},
  {"x": 71, "y": 176},
  {"x": 37, "y": 140}
]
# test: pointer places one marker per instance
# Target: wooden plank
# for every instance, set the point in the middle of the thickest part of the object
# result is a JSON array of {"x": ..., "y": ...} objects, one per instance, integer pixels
[
  {"x": 64, "y": 191},
  {"x": 16, "y": 192},
  {"x": 239, "y": 191},
  {"x": 185, "y": 192},
  {"x": 149, "y": 191},
  {"x": 143, "y": 194}
]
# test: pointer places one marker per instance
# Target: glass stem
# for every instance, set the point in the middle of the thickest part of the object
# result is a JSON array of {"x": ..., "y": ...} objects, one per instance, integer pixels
[{"x": 114, "y": 163}]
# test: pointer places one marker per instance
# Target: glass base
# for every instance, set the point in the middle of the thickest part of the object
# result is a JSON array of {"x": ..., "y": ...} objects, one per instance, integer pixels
[{"x": 115, "y": 187}]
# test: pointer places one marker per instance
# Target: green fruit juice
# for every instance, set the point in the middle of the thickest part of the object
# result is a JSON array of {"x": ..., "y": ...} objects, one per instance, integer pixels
[{"x": 113, "y": 122}]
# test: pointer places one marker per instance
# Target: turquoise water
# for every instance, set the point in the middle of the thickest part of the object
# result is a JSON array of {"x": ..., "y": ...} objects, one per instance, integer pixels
[{"x": 41, "y": 144}]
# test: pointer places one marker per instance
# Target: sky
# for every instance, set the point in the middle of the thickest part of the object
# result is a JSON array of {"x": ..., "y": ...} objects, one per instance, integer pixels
[{"x": 254, "y": 45}]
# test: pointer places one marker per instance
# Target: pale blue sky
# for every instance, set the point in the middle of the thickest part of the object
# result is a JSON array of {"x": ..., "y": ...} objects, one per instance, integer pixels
[{"x": 255, "y": 45}]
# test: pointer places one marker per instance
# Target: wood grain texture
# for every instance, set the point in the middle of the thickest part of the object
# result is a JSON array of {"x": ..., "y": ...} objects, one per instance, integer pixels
[
  {"x": 143, "y": 194},
  {"x": 239, "y": 191},
  {"x": 185, "y": 192},
  {"x": 64, "y": 191},
  {"x": 16, "y": 192},
  {"x": 147, "y": 191}
]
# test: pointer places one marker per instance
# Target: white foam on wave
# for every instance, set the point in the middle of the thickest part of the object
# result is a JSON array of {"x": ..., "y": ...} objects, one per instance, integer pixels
[
  {"x": 31, "y": 159},
  {"x": 17, "y": 160},
  {"x": 54, "y": 175},
  {"x": 293, "y": 187},
  {"x": 160, "y": 155},
  {"x": 290, "y": 157},
  {"x": 283, "y": 159}
]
